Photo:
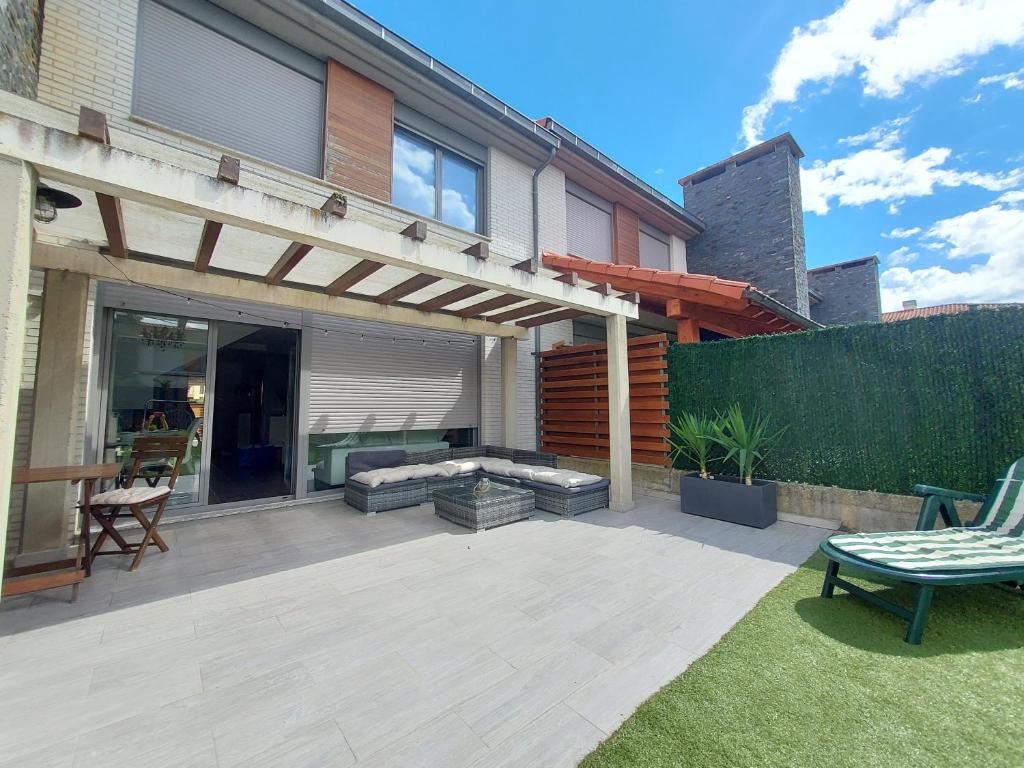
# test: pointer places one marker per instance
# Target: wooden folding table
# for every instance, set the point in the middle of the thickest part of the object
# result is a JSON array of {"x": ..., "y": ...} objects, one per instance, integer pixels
[{"x": 71, "y": 571}]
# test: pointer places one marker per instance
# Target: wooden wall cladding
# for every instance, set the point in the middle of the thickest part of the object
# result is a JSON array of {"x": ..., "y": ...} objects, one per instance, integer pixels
[
  {"x": 574, "y": 400},
  {"x": 625, "y": 236},
  {"x": 358, "y": 133}
]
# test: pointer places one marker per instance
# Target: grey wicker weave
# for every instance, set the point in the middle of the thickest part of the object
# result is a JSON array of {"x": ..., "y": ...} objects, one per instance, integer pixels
[
  {"x": 569, "y": 504},
  {"x": 385, "y": 497},
  {"x": 501, "y": 505}
]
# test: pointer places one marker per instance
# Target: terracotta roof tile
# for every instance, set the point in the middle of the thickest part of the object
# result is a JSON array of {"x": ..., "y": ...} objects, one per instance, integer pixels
[{"x": 659, "y": 284}]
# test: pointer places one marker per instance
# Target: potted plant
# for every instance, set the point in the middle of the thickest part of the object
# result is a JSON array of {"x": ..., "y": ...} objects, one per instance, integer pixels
[
  {"x": 691, "y": 439},
  {"x": 736, "y": 498}
]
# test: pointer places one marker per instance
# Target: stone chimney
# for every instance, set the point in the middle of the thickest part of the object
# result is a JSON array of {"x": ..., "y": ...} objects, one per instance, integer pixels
[
  {"x": 751, "y": 205},
  {"x": 910, "y": 304}
]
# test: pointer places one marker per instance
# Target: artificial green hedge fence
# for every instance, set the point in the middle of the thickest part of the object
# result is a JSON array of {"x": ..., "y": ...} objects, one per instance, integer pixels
[{"x": 937, "y": 400}]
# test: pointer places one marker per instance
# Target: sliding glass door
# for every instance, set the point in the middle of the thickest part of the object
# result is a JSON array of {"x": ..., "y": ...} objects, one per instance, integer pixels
[
  {"x": 229, "y": 388},
  {"x": 157, "y": 386}
]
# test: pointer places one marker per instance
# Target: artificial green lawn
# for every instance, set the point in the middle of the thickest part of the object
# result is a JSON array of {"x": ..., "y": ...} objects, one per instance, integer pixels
[{"x": 803, "y": 681}]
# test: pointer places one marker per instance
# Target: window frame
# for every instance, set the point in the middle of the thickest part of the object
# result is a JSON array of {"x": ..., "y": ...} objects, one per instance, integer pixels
[{"x": 440, "y": 148}]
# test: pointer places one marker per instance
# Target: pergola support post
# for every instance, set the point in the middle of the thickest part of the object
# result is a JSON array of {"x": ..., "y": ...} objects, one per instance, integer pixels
[
  {"x": 619, "y": 438},
  {"x": 58, "y": 376},
  {"x": 687, "y": 331},
  {"x": 17, "y": 193},
  {"x": 509, "y": 358}
]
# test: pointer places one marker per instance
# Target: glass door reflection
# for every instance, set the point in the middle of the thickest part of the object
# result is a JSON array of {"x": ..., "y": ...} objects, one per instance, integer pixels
[{"x": 157, "y": 386}]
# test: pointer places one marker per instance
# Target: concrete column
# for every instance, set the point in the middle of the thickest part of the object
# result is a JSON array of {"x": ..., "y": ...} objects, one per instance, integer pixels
[
  {"x": 620, "y": 449},
  {"x": 55, "y": 415},
  {"x": 509, "y": 358},
  {"x": 17, "y": 201}
]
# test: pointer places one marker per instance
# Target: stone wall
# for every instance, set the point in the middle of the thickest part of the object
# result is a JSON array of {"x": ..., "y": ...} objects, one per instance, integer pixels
[
  {"x": 849, "y": 292},
  {"x": 21, "y": 23},
  {"x": 820, "y": 506},
  {"x": 754, "y": 221}
]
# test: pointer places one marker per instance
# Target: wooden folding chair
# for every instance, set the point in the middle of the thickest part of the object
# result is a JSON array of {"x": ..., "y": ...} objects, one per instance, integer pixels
[{"x": 105, "y": 508}]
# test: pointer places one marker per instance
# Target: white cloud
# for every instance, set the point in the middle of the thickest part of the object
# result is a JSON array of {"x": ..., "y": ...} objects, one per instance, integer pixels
[
  {"x": 901, "y": 257},
  {"x": 1012, "y": 198},
  {"x": 971, "y": 99},
  {"x": 889, "y": 44},
  {"x": 901, "y": 233},
  {"x": 995, "y": 233},
  {"x": 1009, "y": 81},
  {"x": 882, "y": 136},
  {"x": 889, "y": 175},
  {"x": 658, "y": 171}
]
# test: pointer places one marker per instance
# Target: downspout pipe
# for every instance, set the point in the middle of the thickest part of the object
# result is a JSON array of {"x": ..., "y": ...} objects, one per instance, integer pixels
[{"x": 536, "y": 268}]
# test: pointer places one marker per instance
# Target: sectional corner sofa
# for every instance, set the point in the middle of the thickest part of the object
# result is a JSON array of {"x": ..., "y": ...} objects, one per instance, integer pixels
[{"x": 421, "y": 478}]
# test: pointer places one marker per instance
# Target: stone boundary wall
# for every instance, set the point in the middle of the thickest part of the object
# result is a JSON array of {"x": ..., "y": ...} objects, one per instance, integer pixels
[{"x": 821, "y": 506}]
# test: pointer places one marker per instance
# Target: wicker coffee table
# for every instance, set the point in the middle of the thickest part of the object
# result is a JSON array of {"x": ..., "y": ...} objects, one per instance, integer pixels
[{"x": 501, "y": 505}]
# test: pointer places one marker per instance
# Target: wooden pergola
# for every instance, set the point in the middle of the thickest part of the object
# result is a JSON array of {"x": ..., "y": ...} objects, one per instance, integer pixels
[
  {"x": 729, "y": 307},
  {"x": 175, "y": 220}
]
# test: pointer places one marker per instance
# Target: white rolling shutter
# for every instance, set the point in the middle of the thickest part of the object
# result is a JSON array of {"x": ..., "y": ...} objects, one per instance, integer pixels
[
  {"x": 588, "y": 229},
  {"x": 362, "y": 381},
  {"x": 654, "y": 252}
]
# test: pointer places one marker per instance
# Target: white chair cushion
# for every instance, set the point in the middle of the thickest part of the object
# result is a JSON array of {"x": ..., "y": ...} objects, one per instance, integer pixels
[
  {"x": 134, "y": 495},
  {"x": 459, "y": 466},
  {"x": 565, "y": 478},
  {"x": 376, "y": 477},
  {"x": 496, "y": 466}
]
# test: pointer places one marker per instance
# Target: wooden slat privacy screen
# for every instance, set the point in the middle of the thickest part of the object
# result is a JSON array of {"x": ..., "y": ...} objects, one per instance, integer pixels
[{"x": 574, "y": 400}]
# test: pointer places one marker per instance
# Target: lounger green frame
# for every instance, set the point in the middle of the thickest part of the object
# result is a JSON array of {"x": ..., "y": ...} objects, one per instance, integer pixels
[{"x": 937, "y": 501}]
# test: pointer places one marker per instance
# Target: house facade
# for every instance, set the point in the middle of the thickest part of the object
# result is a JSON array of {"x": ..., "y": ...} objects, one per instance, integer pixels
[{"x": 298, "y": 236}]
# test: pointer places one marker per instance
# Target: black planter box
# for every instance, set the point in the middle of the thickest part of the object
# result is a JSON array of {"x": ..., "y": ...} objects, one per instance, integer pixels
[{"x": 728, "y": 498}]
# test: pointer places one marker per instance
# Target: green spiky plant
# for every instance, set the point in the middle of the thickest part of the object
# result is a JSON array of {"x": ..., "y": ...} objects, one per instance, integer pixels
[
  {"x": 745, "y": 441},
  {"x": 691, "y": 439}
]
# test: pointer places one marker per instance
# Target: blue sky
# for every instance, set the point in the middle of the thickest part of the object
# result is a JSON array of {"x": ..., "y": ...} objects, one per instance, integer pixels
[{"x": 910, "y": 112}]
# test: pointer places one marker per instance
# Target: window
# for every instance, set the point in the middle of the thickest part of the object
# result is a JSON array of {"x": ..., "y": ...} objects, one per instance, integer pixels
[
  {"x": 435, "y": 182},
  {"x": 208, "y": 73},
  {"x": 588, "y": 225},
  {"x": 654, "y": 248}
]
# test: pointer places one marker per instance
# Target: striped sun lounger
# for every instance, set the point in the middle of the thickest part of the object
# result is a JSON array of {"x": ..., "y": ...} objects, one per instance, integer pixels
[{"x": 990, "y": 550}]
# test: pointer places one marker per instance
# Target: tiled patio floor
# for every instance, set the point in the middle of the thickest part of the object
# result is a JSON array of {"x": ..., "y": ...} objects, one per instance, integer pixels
[{"x": 316, "y": 636}]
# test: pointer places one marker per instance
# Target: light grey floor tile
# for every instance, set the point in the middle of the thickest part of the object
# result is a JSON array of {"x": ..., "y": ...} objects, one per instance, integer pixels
[
  {"x": 446, "y": 742},
  {"x": 559, "y": 738},
  {"x": 510, "y": 704},
  {"x": 313, "y": 636},
  {"x": 612, "y": 696}
]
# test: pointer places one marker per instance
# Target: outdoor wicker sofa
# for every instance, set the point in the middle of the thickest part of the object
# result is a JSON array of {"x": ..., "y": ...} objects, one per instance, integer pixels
[{"x": 567, "y": 502}]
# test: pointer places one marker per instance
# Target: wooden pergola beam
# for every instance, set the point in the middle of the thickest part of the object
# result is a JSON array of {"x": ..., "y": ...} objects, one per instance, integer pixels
[
  {"x": 451, "y": 297},
  {"x": 359, "y": 272},
  {"x": 569, "y": 278},
  {"x": 717, "y": 320},
  {"x": 92, "y": 125},
  {"x": 551, "y": 317},
  {"x": 336, "y": 205},
  {"x": 147, "y": 172},
  {"x": 530, "y": 309},
  {"x": 228, "y": 173},
  {"x": 479, "y": 251},
  {"x": 413, "y": 284},
  {"x": 416, "y": 231},
  {"x": 486, "y": 306}
]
